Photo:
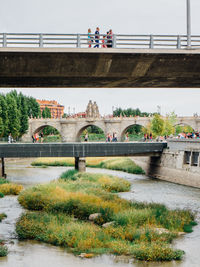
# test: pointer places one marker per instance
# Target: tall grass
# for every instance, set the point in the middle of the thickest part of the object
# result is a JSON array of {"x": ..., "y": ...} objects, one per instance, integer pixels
[
  {"x": 59, "y": 214},
  {"x": 10, "y": 189},
  {"x": 120, "y": 164},
  {"x": 3, "y": 181},
  {"x": 3, "y": 250}
]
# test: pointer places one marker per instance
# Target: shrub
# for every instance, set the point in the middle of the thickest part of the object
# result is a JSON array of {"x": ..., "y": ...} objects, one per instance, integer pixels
[
  {"x": 121, "y": 164},
  {"x": 10, "y": 189},
  {"x": 69, "y": 175},
  {"x": 3, "y": 251},
  {"x": 1, "y": 195},
  {"x": 3, "y": 181},
  {"x": 133, "y": 217},
  {"x": 156, "y": 252}
]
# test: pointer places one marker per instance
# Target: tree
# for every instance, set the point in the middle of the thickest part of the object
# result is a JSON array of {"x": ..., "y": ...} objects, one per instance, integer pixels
[
  {"x": 46, "y": 113},
  {"x": 129, "y": 112},
  {"x": 33, "y": 108},
  {"x": 4, "y": 115},
  {"x": 13, "y": 116},
  {"x": 24, "y": 114},
  {"x": 157, "y": 125},
  {"x": 168, "y": 127},
  {"x": 1, "y": 123}
]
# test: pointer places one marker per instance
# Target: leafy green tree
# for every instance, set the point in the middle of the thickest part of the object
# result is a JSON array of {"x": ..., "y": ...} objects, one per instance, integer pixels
[
  {"x": 1, "y": 123},
  {"x": 24, "y": 114},
  {"x": 33, "y": 108},
  {"x": 157, "y": 125},
  {"x": 4, "y": 115},
  {"x": 168, "y": 127},
  {"x": 50, "y": 130},
  {"x": 13, "y": 116},
  {"x": 94, "y": 129},
  {"x": 46, "y": 113},
  {"x": 129, "y": 112}
]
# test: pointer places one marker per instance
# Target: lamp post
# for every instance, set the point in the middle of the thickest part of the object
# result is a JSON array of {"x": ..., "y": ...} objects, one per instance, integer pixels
[{"x": 188, "y": 24}]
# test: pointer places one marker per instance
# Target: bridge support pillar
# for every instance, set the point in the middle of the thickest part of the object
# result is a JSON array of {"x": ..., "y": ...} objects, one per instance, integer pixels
[
  {"x": 80, "y": 164},
  {"x": 2, "y": 168}
]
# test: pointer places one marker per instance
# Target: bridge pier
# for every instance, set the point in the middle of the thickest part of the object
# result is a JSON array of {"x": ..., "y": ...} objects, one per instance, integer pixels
[
  {"x": 2, "y": 168},
  {"x": 80, "y": 164}
]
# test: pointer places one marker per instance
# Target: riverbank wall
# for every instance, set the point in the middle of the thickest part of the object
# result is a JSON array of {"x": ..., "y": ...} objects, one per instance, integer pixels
[{"x": 179, "y": 163}]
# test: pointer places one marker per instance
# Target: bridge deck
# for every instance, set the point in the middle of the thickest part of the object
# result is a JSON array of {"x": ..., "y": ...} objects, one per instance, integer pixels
[
  {"x": 22, "y": 150},
  {"x": 113, "y": 68}
]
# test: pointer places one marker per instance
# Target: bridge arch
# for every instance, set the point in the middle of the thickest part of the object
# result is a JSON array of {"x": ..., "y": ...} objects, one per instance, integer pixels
[
  {"x": 138, "y": 128},
  {"x": 82, "y": 128}
]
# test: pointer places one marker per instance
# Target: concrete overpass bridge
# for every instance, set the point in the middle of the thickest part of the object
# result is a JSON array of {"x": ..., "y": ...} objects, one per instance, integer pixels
[
  {"x": 72, "y": 128},
  {"x": 63, "y": 60}
]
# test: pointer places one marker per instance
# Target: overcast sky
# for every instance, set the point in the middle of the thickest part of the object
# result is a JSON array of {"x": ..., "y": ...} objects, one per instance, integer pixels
[{"x": 127, "y": 16}]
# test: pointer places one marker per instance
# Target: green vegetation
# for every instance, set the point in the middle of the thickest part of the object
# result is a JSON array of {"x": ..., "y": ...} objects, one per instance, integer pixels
[
  {"x": 2, "y": 216},
  {"x": 94, "y": 134},
  {"x": 3, "y": 181},
  {"x": 3, "y": 249},
  {"x": 120, "y": 164},
  {"x": 59, "y": 212},
  {"x": 7, "y": 188},
  {"x": 15, "y": 109}
]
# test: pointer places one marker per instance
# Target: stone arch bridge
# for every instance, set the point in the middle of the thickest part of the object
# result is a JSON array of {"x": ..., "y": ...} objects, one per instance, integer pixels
[{"x": 71, "y": 128}]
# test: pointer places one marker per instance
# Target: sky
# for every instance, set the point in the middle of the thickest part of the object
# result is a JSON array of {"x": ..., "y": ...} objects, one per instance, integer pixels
[{"x": 127, "y": 16}]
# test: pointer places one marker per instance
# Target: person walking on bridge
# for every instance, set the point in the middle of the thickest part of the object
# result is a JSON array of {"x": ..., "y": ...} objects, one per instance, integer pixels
[
  {"x": 97, "y": 37},
  {"x": 89, "y": 38}
]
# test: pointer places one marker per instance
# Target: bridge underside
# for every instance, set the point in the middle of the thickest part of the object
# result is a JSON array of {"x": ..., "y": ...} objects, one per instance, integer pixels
[
  {"x": 99, "y": 68},
  {"x": 80, "y": 150}
]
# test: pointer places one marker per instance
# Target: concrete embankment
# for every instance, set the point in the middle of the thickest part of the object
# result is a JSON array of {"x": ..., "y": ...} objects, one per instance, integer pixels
[{"x": 179, "y": 163}]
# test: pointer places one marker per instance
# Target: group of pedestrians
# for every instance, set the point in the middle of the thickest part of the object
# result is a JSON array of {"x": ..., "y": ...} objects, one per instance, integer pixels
[
  {"x": 111, "y": 137},
  {"x": 105, "y": 42},
  {"x": 192, "y": 135},
  {"x": 36, "y": 138}
]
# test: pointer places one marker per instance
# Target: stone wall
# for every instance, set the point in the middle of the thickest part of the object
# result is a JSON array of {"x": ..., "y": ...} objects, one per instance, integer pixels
[{"x": 173, "y": 166}]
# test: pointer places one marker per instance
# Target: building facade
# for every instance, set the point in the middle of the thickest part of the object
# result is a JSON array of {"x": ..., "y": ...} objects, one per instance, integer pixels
[{"x": 56, "y": 109}]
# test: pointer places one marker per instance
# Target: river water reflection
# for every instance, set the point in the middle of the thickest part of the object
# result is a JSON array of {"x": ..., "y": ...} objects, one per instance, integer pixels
[{"x": 35, "y": 254}]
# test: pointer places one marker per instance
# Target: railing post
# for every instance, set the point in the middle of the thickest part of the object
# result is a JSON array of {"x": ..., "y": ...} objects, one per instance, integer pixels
[
  {"x": 41, "y": 40},
  {"x": 151, "y": 42},
  {"x": 114, "y": 41},
  {"x": 4, "y": 40},
  {"x": 178, "y": 42},
  {"x": 78, "y": 41}
]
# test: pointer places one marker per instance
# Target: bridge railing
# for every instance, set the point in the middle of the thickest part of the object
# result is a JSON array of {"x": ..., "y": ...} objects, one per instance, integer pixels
[{"x": 82, "y": 41}]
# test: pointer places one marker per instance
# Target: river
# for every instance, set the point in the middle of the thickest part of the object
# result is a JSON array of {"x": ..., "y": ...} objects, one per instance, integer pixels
[{"x": 36, "y": 254}]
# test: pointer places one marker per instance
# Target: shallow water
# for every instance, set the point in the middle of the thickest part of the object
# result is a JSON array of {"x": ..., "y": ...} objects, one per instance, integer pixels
[{"x": 35, "y": 254}]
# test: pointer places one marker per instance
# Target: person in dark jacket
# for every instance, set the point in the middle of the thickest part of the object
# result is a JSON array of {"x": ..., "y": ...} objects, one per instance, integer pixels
[{"x": 97, "y": 37}]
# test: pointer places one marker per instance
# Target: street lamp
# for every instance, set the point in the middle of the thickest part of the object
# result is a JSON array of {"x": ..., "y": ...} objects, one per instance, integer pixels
[{"x": 188, "y": 24}]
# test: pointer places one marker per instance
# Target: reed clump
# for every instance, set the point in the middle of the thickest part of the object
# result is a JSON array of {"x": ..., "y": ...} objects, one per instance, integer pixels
[
  {"x": 120, "y": 164},
  {"x": 10, "y": 189},
  {"x": 59, "y": 214},
  {"x": 3, "y": 249},
  {"x": 3, "y": 181}
]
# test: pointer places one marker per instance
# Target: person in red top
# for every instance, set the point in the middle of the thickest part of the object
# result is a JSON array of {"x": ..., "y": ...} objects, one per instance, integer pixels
[{"x": 104, "y": 42}]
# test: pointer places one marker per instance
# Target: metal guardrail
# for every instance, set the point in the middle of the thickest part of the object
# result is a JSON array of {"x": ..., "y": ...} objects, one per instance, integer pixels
[{"x": 82, "y": 41}]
